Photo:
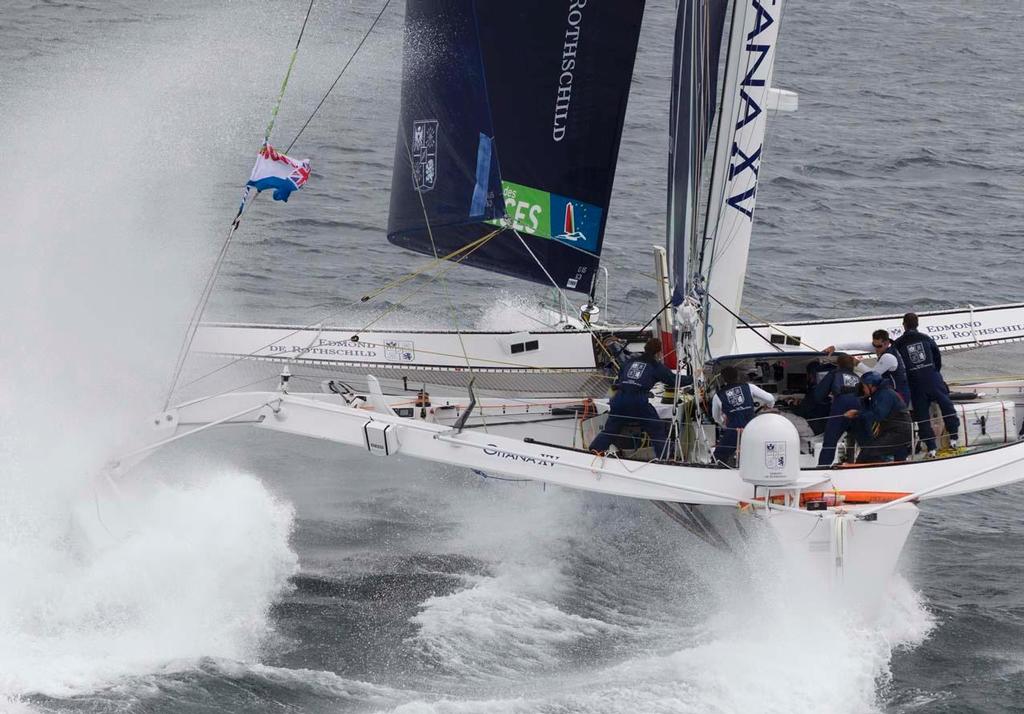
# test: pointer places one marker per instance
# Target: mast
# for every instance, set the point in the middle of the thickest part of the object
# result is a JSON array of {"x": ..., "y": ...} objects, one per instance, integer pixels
[
  {"x": 698, "y": 41},
  {"x": 747, "y": 98}
]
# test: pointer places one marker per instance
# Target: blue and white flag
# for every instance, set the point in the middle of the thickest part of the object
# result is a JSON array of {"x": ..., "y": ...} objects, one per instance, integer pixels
[{"x": 277, "y": 172}]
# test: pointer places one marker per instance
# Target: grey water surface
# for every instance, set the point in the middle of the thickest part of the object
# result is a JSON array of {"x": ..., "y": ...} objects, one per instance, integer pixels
[{"x": 899, "y": 184}]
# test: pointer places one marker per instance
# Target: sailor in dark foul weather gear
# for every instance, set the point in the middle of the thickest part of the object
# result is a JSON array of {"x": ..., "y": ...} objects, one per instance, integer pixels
[
  {"x": 841, "y": 390},
  {"x": 889, "y": 363},
  {"x": 733, "y": 407},
  {"x": 815, "y": 412},
  {"x": 885, "y": 430},
  {"x": 923, "y": 361},
  {"x": 631, "y": 402}
]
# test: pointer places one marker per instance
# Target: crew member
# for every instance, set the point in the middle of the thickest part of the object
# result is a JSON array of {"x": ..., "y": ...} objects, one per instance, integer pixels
[
  {"x": 886, "y": 431},
  {"x": 815, "y": 412},
  {"x": 923, "y": 362},
  {"x": 889, "y": 364},
  {"x": 733, "y": 407},
  {"x": 840, "y": 389},
  {"x": 632, "y": 401}
]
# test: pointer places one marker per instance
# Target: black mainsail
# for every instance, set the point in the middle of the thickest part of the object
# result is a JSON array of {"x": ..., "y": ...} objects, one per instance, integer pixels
[
  {"x": 556, "y": 82},
  {"x": 446, "y": 168}
]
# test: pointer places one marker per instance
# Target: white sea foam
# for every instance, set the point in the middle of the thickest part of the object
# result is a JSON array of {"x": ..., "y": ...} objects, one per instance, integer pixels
[
  {"x": 195, "y": 578},
  {"x": 515, "y": 311},
  {"x": 752, "y": 635},
  {"x": 103, "y": 234}
]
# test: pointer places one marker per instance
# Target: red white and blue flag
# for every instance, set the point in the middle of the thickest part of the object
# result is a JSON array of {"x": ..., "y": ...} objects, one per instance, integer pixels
[{"x": 277, "y": 172}]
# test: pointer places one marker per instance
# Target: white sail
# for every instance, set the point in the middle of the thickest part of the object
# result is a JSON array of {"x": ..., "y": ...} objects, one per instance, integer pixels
[{"x": 746, "y": 100}]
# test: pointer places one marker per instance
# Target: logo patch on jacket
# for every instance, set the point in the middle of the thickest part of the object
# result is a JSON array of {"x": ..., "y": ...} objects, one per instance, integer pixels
[
  {"x": 735, "y": 397},
  {"x": 916, "y": 353},
  {"x": 636, "y": 370}
]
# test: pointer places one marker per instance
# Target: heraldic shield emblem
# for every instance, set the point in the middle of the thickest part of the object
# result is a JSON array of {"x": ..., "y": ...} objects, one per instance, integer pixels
[
  {"x": 636, "y": 370},
  {"x": 775, "y": 455},
  {"x": 915, "y": 351},
  {"x": 734, "y": 396},
  {"x": 424, "y": 153}
]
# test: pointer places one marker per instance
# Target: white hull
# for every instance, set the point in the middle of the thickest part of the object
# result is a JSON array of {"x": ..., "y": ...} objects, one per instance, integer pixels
[
  {"x": 542, "y": 434},
  {"x": 843, "y": 545},
  {"x": 961, "y": 328},
  {"x": 317, "y": 417}
]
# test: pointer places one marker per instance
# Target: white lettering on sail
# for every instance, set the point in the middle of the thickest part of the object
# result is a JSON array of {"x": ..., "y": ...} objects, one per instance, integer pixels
[{"x": 563, "y": 95}]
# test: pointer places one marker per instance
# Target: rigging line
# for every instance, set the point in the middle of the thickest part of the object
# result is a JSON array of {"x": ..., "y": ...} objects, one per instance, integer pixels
[
  {"x": 194, "y": 317},
  {"x": 320, "y": 323},
  {"x": 471, "y": 246},
  {"x": 342, "y": 72},
  {"x": 774, "y": 327},
  {"x": 586, "y": 324},
  {"x": 211, "y": 280},
  {"x": 287, "y": 75},
  {"x": 655, "y": 316},
  {"x": 747, "y": 324},
  {"x": 439, "y": 276},
  {"x": 502, "y": 365},
  {"x": 444, "y": 282}
]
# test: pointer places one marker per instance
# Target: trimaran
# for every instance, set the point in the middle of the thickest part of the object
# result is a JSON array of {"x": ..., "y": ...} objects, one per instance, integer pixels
[{"x": 507, "y": 165}]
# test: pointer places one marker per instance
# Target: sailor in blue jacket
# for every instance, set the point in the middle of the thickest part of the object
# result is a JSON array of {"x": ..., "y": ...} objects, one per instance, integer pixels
[
  {"x": 841, "y": 389},
  {"x": 923, "y": 362},
  {"x": 733, "y": 407},
  {"x": 631, "y": 402},
  {"x": 890, "y": 363},
  {"x": 885, "y": 431}
]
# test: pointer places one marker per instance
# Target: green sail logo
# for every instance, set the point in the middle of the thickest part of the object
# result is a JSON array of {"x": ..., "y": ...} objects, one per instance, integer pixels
[{"x": 532, "y": 211}]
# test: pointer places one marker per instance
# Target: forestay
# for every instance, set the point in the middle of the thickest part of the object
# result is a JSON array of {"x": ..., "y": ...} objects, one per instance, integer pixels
[{"x": 557, "y": 76}]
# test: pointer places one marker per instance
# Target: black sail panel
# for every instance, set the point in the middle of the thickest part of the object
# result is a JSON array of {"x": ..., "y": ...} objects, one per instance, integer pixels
[
  {"x": 558, "y": 74},
  {"x": 699, "y": 28},
  {"x": 446, "y": 166}
]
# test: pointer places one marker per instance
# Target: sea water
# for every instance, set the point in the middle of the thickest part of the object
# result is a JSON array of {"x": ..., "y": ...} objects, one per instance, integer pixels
[{"x": 252, "y": 572}]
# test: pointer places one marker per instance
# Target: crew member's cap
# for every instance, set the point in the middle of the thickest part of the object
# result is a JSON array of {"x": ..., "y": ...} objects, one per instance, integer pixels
[{"x": 872, "y": 378}]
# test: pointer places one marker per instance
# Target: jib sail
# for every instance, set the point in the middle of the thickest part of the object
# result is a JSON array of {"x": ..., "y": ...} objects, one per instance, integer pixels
[
  {"x": 557, "y": 75},
  {"x": 747, "y": 99}
]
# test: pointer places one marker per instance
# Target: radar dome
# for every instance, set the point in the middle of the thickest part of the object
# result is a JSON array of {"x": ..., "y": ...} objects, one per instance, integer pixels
[{"x": 770, "y": 451}]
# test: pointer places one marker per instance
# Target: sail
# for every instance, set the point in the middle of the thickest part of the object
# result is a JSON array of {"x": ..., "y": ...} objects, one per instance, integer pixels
[
  {"x": 446, "y": 166},
  {"x": 698, "y": 41},
  {"x": 557, "y": 76},
  {"x": 747, "y": 97}
]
